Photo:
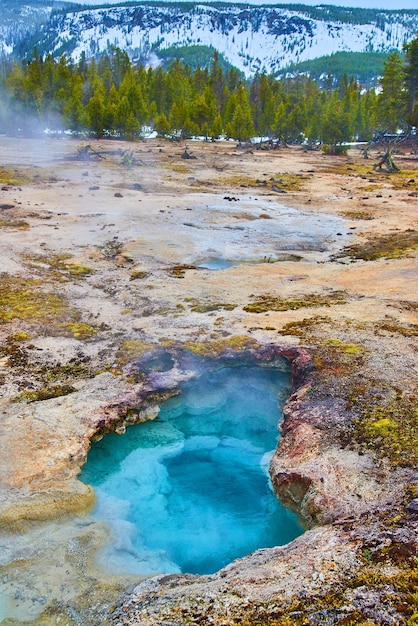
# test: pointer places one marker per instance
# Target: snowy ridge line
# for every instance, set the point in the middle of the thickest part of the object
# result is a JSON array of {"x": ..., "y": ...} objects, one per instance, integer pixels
[{"x": 253, "y": 39}]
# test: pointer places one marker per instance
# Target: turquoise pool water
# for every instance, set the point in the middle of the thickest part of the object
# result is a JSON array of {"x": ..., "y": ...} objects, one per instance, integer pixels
[
  {"x": 190, "y": 492},
  {"x": 217, "y": 264}
]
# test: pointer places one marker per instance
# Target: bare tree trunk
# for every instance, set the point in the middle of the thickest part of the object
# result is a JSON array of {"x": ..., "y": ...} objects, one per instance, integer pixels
[{"x": 388, "y": 162}]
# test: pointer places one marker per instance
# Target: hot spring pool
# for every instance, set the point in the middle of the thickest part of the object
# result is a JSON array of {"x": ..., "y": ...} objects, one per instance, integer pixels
[
  {"x": 190, "y": 491},
  {"x": 217, "y": 264}
]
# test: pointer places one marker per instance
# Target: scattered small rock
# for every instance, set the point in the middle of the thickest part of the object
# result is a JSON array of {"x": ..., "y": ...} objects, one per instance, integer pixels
[
  {"x": 412, "y": 507},
  {"x": 187, "y": 155},
  {"x": 277, "y": 189}
]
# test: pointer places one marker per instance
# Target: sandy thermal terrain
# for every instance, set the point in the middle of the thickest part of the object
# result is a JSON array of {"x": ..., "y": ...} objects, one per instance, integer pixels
[{"x": 104, "y": 259}]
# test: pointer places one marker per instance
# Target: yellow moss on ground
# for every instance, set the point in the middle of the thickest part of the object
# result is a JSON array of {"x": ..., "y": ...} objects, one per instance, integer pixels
[
  {"x": 18, "y": 337},
  {"x": 80, "y": 330},
  {"x": 305, "y": 327},
  {"x": 13, "y": 176},
  {"x": 348, "y": 168},
  {"x": 206, "y": 307},
  {"x": 47, "y": 312},
  {"x": 58, "y": 266},
  {"x": 391, "y": 429},
  {"x": 389, "y": 246},
  {"x": 281, "y": 181},
  {"x": 37, "y": 395},
  {"x": 25, "y": 299},
  {"x": 238, "y": 343},
  {"x": 388, "y": 417},
  {"x": 267, "y": 302},
  {"x": 289, "y": 182},
  {"x": 237, "y": 180},
  {"x": 180, "y": 168},
  {"x": 404, "y": 179},
  {"x": 359, "y": 215},
  {"x": 410, "y": 330},
  {"x": 132, "y": 349},
  {"x": 397, "y": 594},
  {"x": 138, "y": 275},
  {"x": 341, "y": 346}
]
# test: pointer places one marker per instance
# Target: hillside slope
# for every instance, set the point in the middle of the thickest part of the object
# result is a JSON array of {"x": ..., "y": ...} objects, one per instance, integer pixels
[{"x": 250, "y": 38}]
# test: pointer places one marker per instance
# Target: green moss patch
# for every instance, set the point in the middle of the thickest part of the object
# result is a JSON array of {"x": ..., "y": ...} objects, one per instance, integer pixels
[
  {"x": 57, "y": 266},
  {"x": 405, "y": 179},
  {"x": 410, "y": 330},
  {"x": 396, "y": 592},
  {"x": 80, "y": 330},
  {"x": 206, "y": 307},
  {"x": 25, "y": 299},
  {"x": 359, "y": 215},
  {"x": 18, "y": 337},
  {"x": 385, "y": 417},
  {"x": 46, "y": 393},
  {"x": 274, "y": 303},
  {"x": 138, "y": 275},
  {"x": 47, "y": 312},
  {"x": 390, "y": 246},
  {"x": 343, "y": 347},
  {"x": 237, "y": 343},
  {"x": 304, "y": 328},
  {"x": 391, "y": 429},
  {"x": 13, "y": 176},
  {"x": 76, "y": 270},
  {"x": 335, "y": 359},
  {"x": 132, "y": 349}
]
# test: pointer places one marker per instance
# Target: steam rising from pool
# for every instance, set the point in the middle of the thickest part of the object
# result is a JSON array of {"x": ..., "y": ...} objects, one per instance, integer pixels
[{"x": 190, "y": 492}]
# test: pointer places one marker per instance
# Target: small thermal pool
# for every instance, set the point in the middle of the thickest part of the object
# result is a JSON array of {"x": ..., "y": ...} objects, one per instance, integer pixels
[
  {"x": 190, "y": 491},
  {"x": 217, "y": 264}
]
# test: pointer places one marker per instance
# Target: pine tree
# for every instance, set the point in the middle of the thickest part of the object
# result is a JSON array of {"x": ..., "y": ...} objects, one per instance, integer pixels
[
  {"x": 111, "y": 95},
  {"x": 390, "y": 104},
  {"x": 335, "y": 126},
  {"x": 279, "y": 121},
  {"x": 217, "y": 127},
  {"x": 410, "y": 80},
  {"x": 238, "y": 115},
  {"x": 162, "y": 125},
  {"x": 95, "y": 113},
  {"x": 74, "y": 113}
]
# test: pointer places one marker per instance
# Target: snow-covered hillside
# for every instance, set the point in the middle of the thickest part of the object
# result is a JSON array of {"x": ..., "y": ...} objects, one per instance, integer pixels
[
  {"x": 252, "y": 39},
  {"x": 17, "y": 21}
]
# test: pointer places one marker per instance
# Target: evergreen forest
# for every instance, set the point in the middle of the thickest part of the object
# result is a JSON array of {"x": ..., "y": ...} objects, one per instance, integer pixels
[{"x": 112, "y": 97}]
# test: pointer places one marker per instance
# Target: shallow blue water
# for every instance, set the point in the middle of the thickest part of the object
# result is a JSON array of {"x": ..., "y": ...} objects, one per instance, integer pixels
[
  {"x": 217, "y": 264},
  {"x": 189, "y": 492}
]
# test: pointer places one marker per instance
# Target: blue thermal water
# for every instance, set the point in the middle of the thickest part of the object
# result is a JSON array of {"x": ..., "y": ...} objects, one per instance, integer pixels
[
  {"x": 189, "y": 492},
  {"x": 217, "y": 264}
]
